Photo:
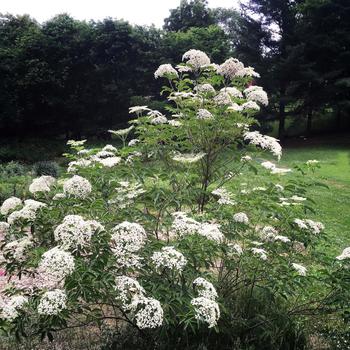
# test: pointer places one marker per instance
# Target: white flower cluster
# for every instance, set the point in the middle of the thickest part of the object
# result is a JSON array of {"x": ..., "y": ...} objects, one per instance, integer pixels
[
  {"x": 225, "y": 197},
  {"x": 230, "y": 68},
  {"x": 241, "y": 218},
  {"x": 9, "y": 205},
  {"x": 133, "y": 142},
  {"x": 127, "y": 192},
  {"x": 127, "y": 239},
  {"x": 207, "y": 311},
  {"x": 150, "y": 313},
  {"x": 173, "y": 122},
  {"x": 75, "y": 232},
  {"x": 275, "y": 170},
  {"x": 4, "y": 230},
  {"x": 204, "y": 114},
  {"x": 206, "y": 308},
  {"x": 27, "y": 213},
  {"x": 261, "y": 252},
  {"x": 10, "y": 308},
  {"x": 17, "y": 250},
  {"x": 183, "y": 226},
  {"x": 235, "y": 248},
  {"x": 314, "y": 227},
  {"x": 129, "y": 291},
  {"x": 246, "y": 158},
  {"x": 300, "y": 269},
  {"x": 121, "y": 132},
  {"x": 312, "y": 162},
  {"x": 157, "y": 118},
  {"x": 223, "y": 99},
  {"x": 232, "y": 91},
  {"x": 233, "y": 68},
  {"x": 42, "y": 184},
  {"x": 256, "y": 94},
  {"x": 267, "y": 233},
  {"x": 76, "y": 143},
  {"x": 169, "y": 258},
  {"x": 165, "y": 71},
  {"x": 265, "y": 142},
  {"x": 196, "y": 59},
  {"x": 138, "y": 109},
  {"x": 57, "y": 263},
  {"x": 211, "y": 232},
  {"x": 188, "y": 158},
  {"x": 344, "y": 255},
  {"x": 76, "y": 164},
  {"x": 52, "y": 302},
  {"x": 205, "y": 289},
  {"x": 272, "y": 167},
  {"x": 204, "y": 88},
  {"x": 77, "y": 187},
  {"x": 250, "y": 105}
]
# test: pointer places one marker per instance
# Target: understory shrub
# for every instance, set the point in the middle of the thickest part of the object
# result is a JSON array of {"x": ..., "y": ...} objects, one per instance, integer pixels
[
  {"x": 46, "y": 168},
  {"x": 163, "y": 242}
]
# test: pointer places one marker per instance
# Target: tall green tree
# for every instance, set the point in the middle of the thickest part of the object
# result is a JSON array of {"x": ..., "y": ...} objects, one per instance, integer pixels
[{"x": 192, "y": 13}]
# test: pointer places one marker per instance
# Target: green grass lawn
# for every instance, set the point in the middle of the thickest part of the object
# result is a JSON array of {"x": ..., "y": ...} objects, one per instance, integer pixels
[{"x": 332, "y": 204}]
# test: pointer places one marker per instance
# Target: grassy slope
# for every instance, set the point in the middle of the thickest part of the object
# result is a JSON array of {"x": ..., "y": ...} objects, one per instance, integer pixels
[{"x": 333, "y": 204}]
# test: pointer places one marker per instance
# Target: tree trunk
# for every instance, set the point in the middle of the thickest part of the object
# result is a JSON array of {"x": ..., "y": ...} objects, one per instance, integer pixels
[
  {"x": 338, "y": 118},
  {"x": 282, "y": 115},
  {"x": 309, "y": 121}
]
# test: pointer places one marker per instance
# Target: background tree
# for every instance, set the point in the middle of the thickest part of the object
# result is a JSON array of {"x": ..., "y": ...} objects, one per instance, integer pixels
[{"x": 193, "y": 13}]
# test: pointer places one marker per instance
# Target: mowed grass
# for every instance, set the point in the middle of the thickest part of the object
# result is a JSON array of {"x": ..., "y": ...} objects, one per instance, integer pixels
[{"x": 333, "y": 204}]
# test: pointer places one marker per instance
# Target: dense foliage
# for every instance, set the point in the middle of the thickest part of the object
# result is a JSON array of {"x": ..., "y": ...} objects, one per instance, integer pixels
[
  {"x": 73, "y": 78},
  {"x": 148, "y": 240}
]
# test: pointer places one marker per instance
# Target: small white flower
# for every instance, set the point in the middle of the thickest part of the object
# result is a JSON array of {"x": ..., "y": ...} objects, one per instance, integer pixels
[
  {"x": 165, "y": 71},
  {"x": 241, "y": 218},
  {"x": 256, "y": 94},
  {"x": 9, "y": 205},
  {"x": 57, "y": 263},
  {"x": 150, "y": 313},
  {"x": 233, "y": 92},
  {"x": 300, "y": 269},
  {"x": 204, "y": 114},
  {"x": 312, "y": 162},
  {"x": 196, "y": 58},
  {"x": 138, "y": 109},
  {"x": 230, "y": 68},
  {"x": 265, "y": 142},
  {"x": 133, "y": 142},
  {"x": 344, "y": 255},
  {"x": 170, "y": 258},
  {"x": 261, "y": 252},
  {"x": 204, "y": 88},
  {"x": 9, "y": 308},
  {"x": 175, "y": 123},
  {"x": 188, "y": 158},
  {"x": 207, "y": 310},
  {"x": 121, "y": 132},
  {"x": 250, "y": 105},
  {"x": 205, "y": 289},
  {"x": 211, "y": 232},
  {"x": 225, "y": 197},
  {"x": 77, "y": 186},
  {"x": 52, "y": 302},
  {"x": 42, "y": 184}
]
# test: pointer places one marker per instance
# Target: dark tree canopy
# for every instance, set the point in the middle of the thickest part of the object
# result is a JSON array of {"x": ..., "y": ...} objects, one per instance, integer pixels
[
  {"x": 73, "y": 78},
  {"x": 192, "y": 13}
]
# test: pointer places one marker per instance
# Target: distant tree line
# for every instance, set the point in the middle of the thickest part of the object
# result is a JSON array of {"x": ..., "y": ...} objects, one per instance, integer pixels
[{"x": 74, "y": 78}]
